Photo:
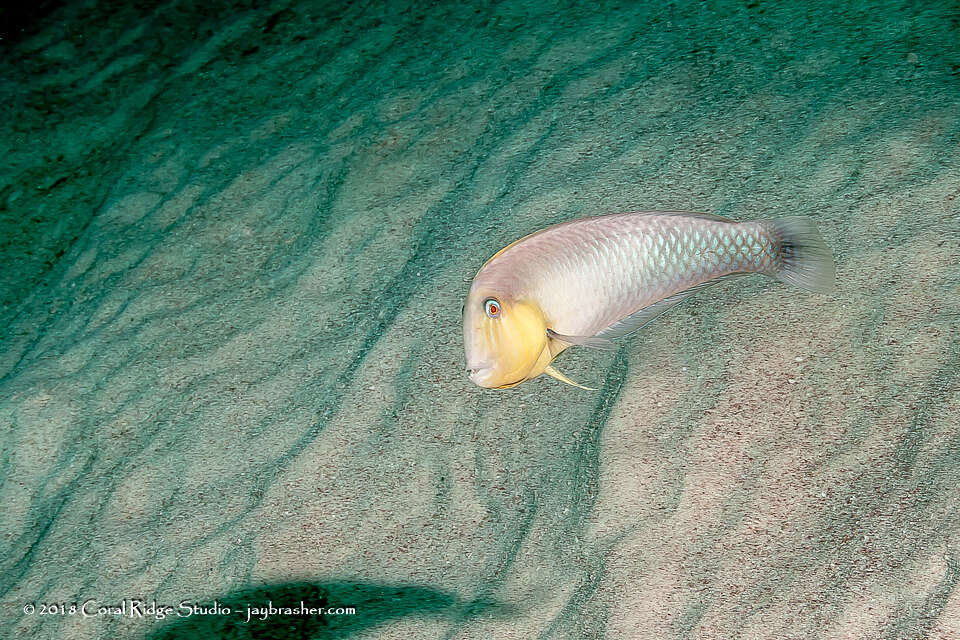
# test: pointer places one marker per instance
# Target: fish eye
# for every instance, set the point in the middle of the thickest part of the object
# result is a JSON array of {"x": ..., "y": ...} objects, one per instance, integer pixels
[{"x": 492, "y": 307}]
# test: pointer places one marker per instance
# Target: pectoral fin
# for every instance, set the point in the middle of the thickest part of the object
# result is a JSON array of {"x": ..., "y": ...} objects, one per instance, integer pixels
[
  {"x": 631, "y": 323},
  {"x": 562, "y": 378},
  {"x": 586, "y": 341}
]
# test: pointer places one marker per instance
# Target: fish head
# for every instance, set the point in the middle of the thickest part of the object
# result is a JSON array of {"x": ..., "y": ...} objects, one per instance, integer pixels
[{"x": 504, "y": 337}]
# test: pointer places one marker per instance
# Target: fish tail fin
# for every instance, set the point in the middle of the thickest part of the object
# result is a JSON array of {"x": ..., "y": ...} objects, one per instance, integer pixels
[{"x": 807, "y": 262}]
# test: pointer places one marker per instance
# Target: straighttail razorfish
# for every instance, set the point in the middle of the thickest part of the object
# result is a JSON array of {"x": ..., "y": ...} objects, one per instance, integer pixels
[{"x": 592, "y": 280}]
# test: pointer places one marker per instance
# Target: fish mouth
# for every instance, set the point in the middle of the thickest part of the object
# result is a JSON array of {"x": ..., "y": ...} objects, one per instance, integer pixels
[
  {"x": 478, "y": 373},
  {"x": 478, "y": 376}
]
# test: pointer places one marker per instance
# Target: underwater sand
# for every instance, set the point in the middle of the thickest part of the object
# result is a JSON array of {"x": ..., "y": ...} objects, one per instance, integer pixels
[{"x": 235, "y": 242}]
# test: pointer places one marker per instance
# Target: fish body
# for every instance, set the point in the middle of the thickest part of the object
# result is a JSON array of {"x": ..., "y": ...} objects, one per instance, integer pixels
[{"x": 593, "y": 280}]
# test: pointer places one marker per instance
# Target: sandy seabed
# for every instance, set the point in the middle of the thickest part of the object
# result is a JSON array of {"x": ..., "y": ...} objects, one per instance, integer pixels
[{"x": 235, "y": 242}]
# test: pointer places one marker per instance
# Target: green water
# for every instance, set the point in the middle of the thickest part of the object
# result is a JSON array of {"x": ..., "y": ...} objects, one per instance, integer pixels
[{"x": 234, "y": 244}]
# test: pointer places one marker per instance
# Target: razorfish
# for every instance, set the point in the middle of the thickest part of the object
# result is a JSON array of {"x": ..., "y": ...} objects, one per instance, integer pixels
[{"x": 590, "y": 281}]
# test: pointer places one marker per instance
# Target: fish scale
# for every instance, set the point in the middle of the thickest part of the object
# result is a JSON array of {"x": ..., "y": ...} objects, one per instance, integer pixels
[{"x": 613, "y": 266}]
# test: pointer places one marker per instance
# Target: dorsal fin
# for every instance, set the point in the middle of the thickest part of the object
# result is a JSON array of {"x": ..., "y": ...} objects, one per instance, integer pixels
[{"x": 693, "y": 214}]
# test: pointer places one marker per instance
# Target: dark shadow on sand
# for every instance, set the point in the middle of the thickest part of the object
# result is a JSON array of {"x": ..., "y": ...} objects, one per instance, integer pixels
[{"x": 374, "y": 604}]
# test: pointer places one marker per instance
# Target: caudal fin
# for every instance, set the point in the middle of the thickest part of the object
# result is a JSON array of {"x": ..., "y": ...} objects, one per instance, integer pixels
[{"x": 807, "y": 262}]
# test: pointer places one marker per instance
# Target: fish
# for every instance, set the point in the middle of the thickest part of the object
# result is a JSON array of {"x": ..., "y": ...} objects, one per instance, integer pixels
[{"x": 592, "y": 281}]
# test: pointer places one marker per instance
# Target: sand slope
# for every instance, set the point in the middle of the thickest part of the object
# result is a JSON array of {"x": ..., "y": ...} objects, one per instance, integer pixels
[{"x": 235, "y": 242}]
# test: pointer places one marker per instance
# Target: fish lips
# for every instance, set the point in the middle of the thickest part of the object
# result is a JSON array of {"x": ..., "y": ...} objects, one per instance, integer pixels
[{"x": 479, "y": 374}]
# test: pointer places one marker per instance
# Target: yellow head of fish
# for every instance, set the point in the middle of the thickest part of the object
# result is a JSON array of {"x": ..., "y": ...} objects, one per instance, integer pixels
[{"x": 505, "y": 339}]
